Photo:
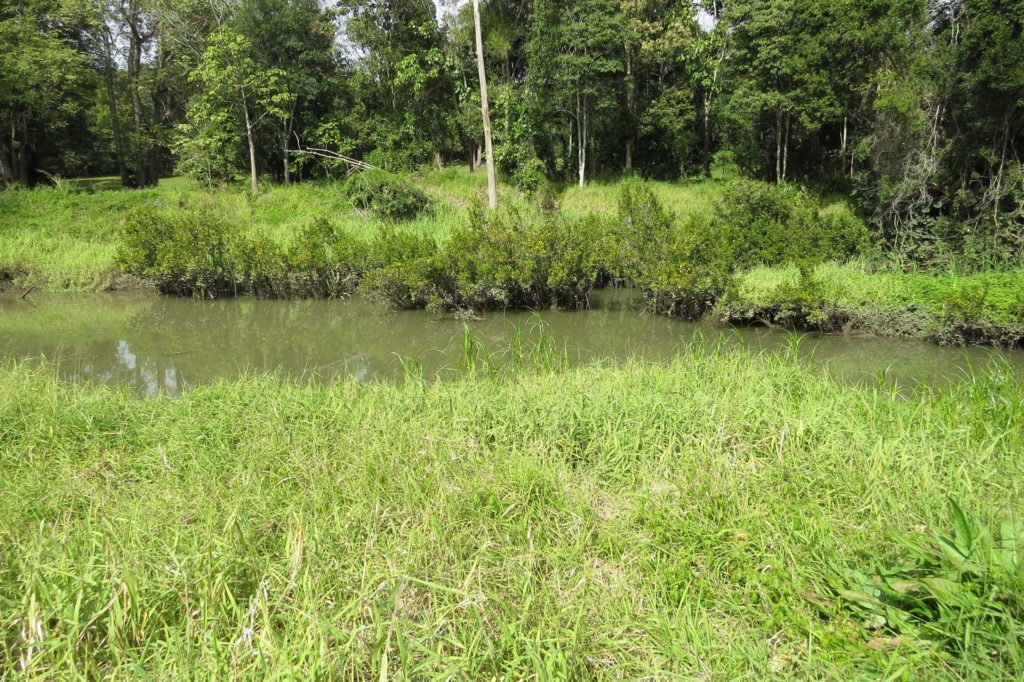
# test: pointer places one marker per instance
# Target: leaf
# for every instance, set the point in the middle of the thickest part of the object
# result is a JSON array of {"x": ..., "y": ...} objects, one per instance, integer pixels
[
  {"x": 962, "y": 528},
  {"x": 949, "y": 592}
]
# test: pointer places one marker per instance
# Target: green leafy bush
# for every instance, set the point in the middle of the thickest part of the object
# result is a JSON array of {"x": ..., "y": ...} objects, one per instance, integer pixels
[
  {"x": 200, "y": 254},
  {"x": 386, "y": 195},
  {"x": 531, "y": 175},
  {"x": 500, "y": 260},
  {"x": 644, "y": 231},
  {"x": 767, "y": 224},
  {"x": 326, "y": 260},
  {"x": 189, "y": 253},
  {"x": 684, "y": 269}
]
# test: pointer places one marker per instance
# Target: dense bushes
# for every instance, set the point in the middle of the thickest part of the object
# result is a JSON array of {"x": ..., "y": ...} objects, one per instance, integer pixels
[
  {"x": 192, "y": 253},
  {"x": 506, "y": 259},
  {"x": 685, "y": 269},
  {"x": 501, "y": 260},
  {"x": 200, "y": 254},
  {"x": 385, "y": 195},
  {"x": 512, "y": 258}
]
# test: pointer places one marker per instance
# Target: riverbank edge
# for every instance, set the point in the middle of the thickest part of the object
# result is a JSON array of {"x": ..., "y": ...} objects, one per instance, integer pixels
[
  {"x": 893, "y": 324},
  {"x": 820, "y": 317}
]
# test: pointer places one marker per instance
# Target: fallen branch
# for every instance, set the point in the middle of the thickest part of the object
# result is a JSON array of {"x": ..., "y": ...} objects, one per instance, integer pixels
[{"x": 354, "y": 165}]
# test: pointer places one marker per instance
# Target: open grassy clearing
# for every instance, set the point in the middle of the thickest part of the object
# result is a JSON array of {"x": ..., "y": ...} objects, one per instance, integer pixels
[{"x": 695, "y": 520}]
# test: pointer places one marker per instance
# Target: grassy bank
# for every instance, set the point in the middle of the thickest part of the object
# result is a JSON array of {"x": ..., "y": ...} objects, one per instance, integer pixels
[
  {"x": 949, "y": 308},
  {"x": 743, "y": 252},
  {"x": 722, "y": 516},
  {"x": 67, "y": 239}
]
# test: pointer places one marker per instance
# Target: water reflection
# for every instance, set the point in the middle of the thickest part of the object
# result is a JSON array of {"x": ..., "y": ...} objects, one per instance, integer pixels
[{"x": 166, "y": 345}]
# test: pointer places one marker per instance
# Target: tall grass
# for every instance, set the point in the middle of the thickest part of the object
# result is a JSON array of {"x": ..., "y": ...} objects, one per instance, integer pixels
[{"x": 694, "y": 520}]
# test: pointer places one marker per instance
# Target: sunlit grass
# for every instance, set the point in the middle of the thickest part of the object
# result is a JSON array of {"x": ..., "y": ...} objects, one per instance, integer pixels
[
  {"x": 636, "y": 521},
  {"x": 65, "y": 239}
]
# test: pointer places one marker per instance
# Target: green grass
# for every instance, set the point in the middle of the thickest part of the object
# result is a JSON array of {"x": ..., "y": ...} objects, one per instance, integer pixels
[
  {"x": 638, "y": 521},
  {"x": 883, "y": 299},
  {"x": 66, "y": 239},
  {"x": 684, "y": 198}
]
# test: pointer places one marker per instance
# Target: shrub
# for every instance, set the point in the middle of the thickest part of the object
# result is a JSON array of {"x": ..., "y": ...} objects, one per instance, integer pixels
[
  {"x": 531, "y": 175},
  {"x": 186, "y": 254},
  {"x": 326, "y": 260},
  {"x": 258, "y": 266},
  {"x": 645, "y": 231},
  {"x": 386, "y": 195},
  {"x": 392, "y": 246},
  {"x": 684, "y": 269},
  {"x": 842, "y": 233},
  {"x": 767, "y": 224},
  {"x": 499, "y": 260}
]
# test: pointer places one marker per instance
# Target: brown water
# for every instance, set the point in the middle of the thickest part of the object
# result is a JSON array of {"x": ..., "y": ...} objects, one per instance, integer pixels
[{"x": 161, "y": 344}]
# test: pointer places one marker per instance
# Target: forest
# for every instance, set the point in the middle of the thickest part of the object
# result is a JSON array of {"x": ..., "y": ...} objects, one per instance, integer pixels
[
  {"x": 911, "y": 107},
  {"x": 512, "y": 339}
]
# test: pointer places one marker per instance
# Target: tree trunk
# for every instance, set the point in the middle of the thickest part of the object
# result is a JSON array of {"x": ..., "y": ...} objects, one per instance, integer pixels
[
  {"x": 630, "y": 107},
  {"x": 115, "y": 122},
  {"x": 23, "y": 165},
  {"x": 778, "y": 146},
  {"x": 785, "y": 150},
  {"x": 485, "y": 110},
  {"x": 581, "y": 124},
  {"x": 284, "y": 163},
  {"x": 7, "y": 178},
  {"x": 135, "y": 41},
  {"x": 252, "y": 147},
  {"x": 707, "y": 136}
]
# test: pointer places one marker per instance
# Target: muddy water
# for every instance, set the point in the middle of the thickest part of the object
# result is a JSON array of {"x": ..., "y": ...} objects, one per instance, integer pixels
[{"x": 160, "y": 344}]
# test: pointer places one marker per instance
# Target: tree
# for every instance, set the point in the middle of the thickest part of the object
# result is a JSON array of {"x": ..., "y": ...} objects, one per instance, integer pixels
[
  {"x": 705, "y": 60},
  {"x": 42, "y": 80},
  {"x": 492, "y": 187},
  {"x": 578, "y": 46},
  {"x": 232, "y": 83},
  {"x": 293, "y": 38},
  {"x": 402, "y": 80}
]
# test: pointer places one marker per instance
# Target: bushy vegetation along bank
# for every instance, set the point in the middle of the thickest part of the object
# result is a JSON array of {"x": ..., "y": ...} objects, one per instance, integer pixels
[
  {"x": 723, "y": 515},
  {"x": 744, "y": 252}
]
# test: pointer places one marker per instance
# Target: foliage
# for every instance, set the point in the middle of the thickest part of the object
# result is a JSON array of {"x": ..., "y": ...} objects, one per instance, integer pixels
[
  {"x": 960, "y": 592},
  {"x": 685, "y": 269},
  {"x": 386, "y": 195},
  {"x": 191, "y": 253},
  {"x": 531, "y": 176},
  {"x": 501, "y": 260}
]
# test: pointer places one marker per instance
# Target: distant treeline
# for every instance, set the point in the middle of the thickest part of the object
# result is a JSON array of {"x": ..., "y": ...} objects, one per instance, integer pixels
[{"x": 916, "y": 106}]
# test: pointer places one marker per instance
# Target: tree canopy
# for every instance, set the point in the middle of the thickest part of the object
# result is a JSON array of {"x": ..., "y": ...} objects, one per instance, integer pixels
[{"x": 915, "y": 107}]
